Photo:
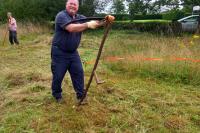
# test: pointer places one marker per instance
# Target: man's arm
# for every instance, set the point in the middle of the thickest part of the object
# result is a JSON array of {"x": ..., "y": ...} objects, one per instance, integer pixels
[
  {"x": 81, "y": 27},
  {"x": 76, "y": 27}
]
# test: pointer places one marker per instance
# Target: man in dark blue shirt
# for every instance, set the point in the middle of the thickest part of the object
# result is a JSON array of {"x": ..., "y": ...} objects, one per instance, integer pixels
[{"x": 64, "y": 54}]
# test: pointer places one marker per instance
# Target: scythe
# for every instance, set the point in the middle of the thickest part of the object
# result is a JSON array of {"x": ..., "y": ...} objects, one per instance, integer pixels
[{"x": 109, "y": 19}]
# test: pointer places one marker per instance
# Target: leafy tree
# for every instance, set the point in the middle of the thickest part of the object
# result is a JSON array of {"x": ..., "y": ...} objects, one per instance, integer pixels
[
  {"x": 32, "y": 9},
  {"x": 135, "y": 7},
  {"x": 140, "y": 7},
  {"x": 45, "y": 9},
  {"x": 101, "y": 4},
  {"x": 87, "y": 7},
  {"x": 118, "y": 6},
  {"x": 91, "y": 7},
  {"x": 188, "y": 4}
]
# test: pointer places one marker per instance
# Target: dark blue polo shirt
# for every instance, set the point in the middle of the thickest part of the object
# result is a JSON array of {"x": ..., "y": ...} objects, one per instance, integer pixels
[{"x": 66, "y": 41}]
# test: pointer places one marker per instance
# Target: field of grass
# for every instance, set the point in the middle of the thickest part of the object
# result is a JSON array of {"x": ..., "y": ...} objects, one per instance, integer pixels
[{"x": 152, "y": 85}]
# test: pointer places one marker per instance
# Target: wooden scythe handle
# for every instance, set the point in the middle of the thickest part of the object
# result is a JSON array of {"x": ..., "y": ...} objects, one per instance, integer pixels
[
  {"x": 5, "y": 33},
  {"x": 108, "y": 27},
  {"x": 86, "y": 19}
]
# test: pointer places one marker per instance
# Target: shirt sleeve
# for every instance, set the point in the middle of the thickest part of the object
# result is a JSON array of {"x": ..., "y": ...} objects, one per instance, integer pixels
[
  {"x": 82, "y": 16},
  {"x": 62, "y": 20}
]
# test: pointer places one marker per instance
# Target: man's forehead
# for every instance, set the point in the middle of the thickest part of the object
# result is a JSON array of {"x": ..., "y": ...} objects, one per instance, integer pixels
[{"x": 72, "y": 1}]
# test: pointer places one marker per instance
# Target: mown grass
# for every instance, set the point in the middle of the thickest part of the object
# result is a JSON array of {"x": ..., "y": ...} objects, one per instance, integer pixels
[{"x": 138, "y": 96}]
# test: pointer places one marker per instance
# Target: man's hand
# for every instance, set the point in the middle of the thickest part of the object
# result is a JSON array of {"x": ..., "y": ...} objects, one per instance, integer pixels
[
  {"x": 93, "y": 24},
  {"x": 110, "y": 18}
]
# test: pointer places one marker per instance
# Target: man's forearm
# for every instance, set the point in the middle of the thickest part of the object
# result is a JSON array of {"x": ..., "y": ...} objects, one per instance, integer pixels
[{"x": 76, "y": 27}]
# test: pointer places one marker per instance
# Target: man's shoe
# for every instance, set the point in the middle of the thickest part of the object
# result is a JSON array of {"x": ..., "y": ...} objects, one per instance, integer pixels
[{"x": 59, "y": 100}]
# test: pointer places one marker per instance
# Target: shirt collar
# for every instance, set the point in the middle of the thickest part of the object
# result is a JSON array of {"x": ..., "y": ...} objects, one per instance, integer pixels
[{"x": 70, "y": 15}]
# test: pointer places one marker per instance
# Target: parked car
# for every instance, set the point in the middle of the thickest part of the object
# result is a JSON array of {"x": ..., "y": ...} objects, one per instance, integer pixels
[{"x": 189, "y": 23}]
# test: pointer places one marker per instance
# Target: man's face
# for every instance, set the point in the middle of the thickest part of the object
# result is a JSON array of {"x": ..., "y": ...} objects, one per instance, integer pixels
[{"x": 72, "y": 7}]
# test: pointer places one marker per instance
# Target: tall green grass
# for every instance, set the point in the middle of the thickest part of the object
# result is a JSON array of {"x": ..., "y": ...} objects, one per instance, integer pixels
[{"x": 135, "y": 48}]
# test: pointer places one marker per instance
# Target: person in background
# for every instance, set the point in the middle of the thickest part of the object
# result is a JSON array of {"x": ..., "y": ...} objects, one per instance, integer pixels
[{"x": 12, "y": 27}]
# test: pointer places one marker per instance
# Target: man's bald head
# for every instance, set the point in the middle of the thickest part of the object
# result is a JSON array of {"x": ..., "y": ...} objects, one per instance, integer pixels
[
  {"x": 73, "y": 0},
  {"x": 72, "y": 6}
]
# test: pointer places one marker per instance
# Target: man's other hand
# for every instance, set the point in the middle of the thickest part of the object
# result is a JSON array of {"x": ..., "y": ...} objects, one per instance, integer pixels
[
  {"x": 110, "y": 18},
  {"x": 93, "y": 24}
]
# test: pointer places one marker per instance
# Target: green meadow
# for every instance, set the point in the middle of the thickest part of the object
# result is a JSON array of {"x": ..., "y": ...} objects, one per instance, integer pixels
[{"x": 152, "y": 84}]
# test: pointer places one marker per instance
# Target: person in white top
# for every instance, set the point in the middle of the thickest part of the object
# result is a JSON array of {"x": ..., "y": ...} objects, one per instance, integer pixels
[{"x": 12, "y": 27}]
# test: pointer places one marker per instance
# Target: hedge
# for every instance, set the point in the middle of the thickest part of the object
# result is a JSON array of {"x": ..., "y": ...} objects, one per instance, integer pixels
[
  {"x": 148, "y": 16},
  {"x": 168, "y": 28},
  {"x": 172, "y": 15},
  {"x": 136, "y": 17}
]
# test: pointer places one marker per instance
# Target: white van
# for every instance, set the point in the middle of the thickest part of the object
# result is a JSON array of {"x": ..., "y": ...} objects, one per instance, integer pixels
[{"x": 189, "y": 23}]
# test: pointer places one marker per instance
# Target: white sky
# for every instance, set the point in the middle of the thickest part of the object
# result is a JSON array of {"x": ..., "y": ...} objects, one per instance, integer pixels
[{"x": 163, "y": 8}]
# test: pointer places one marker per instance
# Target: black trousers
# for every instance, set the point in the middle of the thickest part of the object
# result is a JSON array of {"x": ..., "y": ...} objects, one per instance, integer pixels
[
  {"x": 61, "y": 62},
  {"x": 13, "y": 37}
]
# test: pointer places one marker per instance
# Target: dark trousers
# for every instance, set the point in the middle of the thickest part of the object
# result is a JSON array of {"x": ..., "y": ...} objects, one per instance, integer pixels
[
  {"x": 13, "y": 37},
  {"x": 61, "y": 63}
]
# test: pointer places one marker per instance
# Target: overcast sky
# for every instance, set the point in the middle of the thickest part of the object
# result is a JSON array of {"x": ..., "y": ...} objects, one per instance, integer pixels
[{"x": 108, "y": 7}]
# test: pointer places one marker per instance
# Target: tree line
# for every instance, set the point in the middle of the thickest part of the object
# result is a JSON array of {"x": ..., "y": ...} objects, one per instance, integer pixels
[{"x": 47, "y": 9}]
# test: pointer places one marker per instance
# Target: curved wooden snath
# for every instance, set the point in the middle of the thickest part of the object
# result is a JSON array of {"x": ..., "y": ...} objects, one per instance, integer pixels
[
  {"x": 107, "y": 29},
  {"x": 86, "y": 19}
]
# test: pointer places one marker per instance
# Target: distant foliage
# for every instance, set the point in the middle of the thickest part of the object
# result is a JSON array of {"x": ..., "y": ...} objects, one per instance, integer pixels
[
  {"x": 148, "y": 16},
  {"x": 121, "y": 16},
  {"x": 118, "y": 6},
  {"x": 31, "y": 9},
  {"x": 39, "y": 10},
  {"x": 174, "y": 15},
  {"x": 136, "y": 17},
  {"x": 87, "y": 8}
]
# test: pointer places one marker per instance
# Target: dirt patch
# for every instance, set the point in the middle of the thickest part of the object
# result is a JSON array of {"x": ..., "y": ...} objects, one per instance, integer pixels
[
  {"x": 115, "y": 109},
  {"x": 100, "y": 119},
  {"x": 36, "y": 77},
  {"x": 17, "y": 96},
  {"x": 109, "y": 90},
  {"x": 2, "y": 98},
  {"x": 175, "y": 122},
  {"x": 18, "y": 79},
  {"x": 15, "y": 79}
]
